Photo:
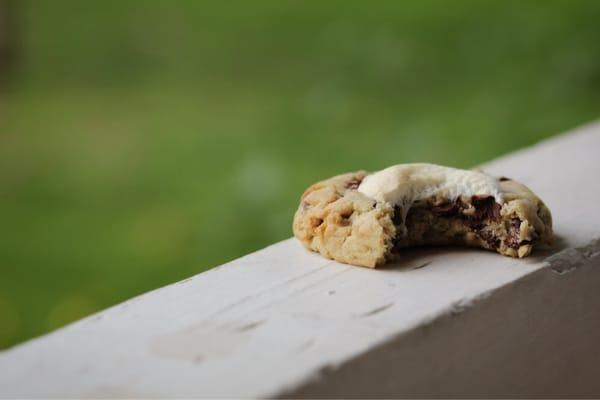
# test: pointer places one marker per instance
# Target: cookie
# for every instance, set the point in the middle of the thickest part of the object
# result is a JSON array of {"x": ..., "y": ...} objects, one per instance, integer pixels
[{"x": 367, "y": 219}]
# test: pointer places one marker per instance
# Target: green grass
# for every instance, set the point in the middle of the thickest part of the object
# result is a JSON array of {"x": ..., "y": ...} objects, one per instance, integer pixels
[{"x": 142, "y": 142}]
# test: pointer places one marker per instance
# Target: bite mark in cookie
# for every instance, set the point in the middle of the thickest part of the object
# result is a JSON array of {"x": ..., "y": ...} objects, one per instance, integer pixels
[{"x": 367, "y": 219}]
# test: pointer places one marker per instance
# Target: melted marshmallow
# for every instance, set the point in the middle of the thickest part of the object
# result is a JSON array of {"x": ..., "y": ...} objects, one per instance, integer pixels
[{"x": 403, "y": 184}]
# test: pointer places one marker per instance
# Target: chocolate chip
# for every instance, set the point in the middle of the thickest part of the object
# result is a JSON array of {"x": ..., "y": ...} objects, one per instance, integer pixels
[
  {"x": 353, "y": 183},
  {"x": 486, "y": 208},
  {"x": 446, "y": 210},
  {"x": 396, "y": 245},
  {"x": 490, "y": 238},
  {"x": 346, "y": 214},
  {"x": 316, "y": 222},
  {"x": 513, "y": 238},
  {"x": 475, "y": 224},
  {"x": 397, "y": 218},
  {"x": 503, "y": 179}
]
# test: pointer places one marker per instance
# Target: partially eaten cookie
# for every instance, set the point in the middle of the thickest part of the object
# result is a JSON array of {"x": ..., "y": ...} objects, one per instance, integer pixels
[{"x": 367, "y": 219}]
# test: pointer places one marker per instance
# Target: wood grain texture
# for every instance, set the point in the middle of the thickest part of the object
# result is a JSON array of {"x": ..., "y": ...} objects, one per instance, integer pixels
[{"x": 285, "y": 321}]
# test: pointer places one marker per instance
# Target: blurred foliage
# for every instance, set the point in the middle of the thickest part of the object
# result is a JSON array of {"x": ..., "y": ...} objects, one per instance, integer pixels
[{"x": 142, "y": 142}]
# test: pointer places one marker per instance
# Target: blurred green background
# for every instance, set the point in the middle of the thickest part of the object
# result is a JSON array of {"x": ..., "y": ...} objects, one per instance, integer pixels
[{"x": 145, "y": 141}]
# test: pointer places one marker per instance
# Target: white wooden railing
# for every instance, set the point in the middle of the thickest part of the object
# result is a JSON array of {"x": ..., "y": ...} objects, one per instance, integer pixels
[{"x": 283, "y": 322}]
